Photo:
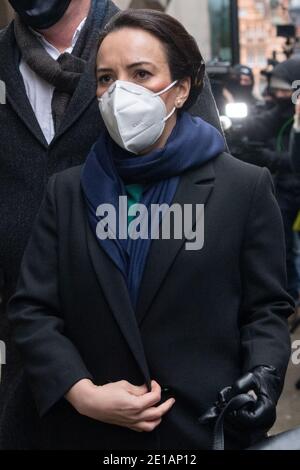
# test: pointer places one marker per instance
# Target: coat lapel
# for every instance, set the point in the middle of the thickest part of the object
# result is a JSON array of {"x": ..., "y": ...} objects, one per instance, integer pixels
[
  {"x": 114, "y": 287},
  {"x": 15, "y": 89},
  {"x": 194, "y": 188}
]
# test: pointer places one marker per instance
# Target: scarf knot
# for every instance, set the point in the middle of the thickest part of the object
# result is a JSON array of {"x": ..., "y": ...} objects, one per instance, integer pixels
[{"x": 64, "y": 73}]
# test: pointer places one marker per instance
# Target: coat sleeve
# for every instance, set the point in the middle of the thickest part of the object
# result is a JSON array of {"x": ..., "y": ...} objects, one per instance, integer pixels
[
  {"x": 266, "y": 304},
  {"x": 51, "y": 360}
]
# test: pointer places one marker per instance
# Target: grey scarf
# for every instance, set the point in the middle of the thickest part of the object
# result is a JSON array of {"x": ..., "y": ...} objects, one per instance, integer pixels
[{"x": 65, "y": 72}]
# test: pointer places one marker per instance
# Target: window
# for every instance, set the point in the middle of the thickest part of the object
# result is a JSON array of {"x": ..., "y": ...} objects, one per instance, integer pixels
[{"x": 219, "y": 12}]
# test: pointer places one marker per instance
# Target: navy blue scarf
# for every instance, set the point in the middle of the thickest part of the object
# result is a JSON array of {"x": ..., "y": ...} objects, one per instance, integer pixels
[{"x": 109, "y": 168}]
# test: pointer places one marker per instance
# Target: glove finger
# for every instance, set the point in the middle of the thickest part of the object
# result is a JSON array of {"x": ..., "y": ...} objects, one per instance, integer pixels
[
  {"x": 245, "y": 384},
  {"x": 258, "y": 415}
]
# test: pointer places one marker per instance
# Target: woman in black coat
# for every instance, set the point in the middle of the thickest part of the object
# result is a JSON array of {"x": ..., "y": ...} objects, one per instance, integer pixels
[{"x": 128, "y": 338}]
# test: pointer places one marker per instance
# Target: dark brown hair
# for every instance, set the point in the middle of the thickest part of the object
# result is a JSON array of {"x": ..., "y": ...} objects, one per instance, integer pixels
[{"x": 184, "y": 57}]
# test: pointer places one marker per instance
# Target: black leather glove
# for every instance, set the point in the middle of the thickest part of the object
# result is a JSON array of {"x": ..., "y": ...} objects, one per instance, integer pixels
[{"x": 259, "y": 414}]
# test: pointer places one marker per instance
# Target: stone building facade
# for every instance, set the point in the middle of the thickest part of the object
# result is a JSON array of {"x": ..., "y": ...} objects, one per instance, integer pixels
[{"x": 258, "y": 40}]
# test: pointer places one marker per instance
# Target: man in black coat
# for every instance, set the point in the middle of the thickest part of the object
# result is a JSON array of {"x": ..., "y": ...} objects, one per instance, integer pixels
[
  {"x": 32, "y": 148},
  {"x": 29, "y": 151}
]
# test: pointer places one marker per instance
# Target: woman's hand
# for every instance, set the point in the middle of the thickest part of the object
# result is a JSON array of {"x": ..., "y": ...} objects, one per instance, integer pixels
[{"x": 120, "y": 403}]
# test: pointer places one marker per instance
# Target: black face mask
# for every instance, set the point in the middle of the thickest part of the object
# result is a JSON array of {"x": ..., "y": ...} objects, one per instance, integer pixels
[{"x": 40, "y": 14}]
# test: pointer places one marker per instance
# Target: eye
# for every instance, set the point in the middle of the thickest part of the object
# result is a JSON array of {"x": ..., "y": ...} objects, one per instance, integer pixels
[
  {"x": 104, "y": 79},
  {"x": 142, "y": 74}
]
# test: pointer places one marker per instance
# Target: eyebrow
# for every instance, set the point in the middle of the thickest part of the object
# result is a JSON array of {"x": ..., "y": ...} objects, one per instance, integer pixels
[{"x": 136, "y": 64}]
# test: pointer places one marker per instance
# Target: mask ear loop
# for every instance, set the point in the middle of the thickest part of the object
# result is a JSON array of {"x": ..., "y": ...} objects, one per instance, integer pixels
[
  {"x": 167, "y": 88},
  {"x": 164, "y": 91},
  {"x": 171, "y": 114}
]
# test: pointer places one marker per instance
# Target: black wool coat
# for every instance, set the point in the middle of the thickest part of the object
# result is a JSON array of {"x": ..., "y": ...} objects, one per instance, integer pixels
[
  {"x": 203, "y": 317},
  {"x": 27, "y": 162}
]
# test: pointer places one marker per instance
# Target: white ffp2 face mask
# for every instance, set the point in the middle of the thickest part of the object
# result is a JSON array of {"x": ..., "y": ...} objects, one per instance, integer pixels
[{"x": 134, "y": 116}]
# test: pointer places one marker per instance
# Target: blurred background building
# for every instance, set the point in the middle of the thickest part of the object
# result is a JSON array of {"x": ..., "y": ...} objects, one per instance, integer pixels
[
  {"x": 237, "y": 31},
  {"x": 258, "y": 21}
]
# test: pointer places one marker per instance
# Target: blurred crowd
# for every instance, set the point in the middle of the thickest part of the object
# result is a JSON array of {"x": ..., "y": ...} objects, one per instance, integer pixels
[{"x": 266, "y": 132}]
